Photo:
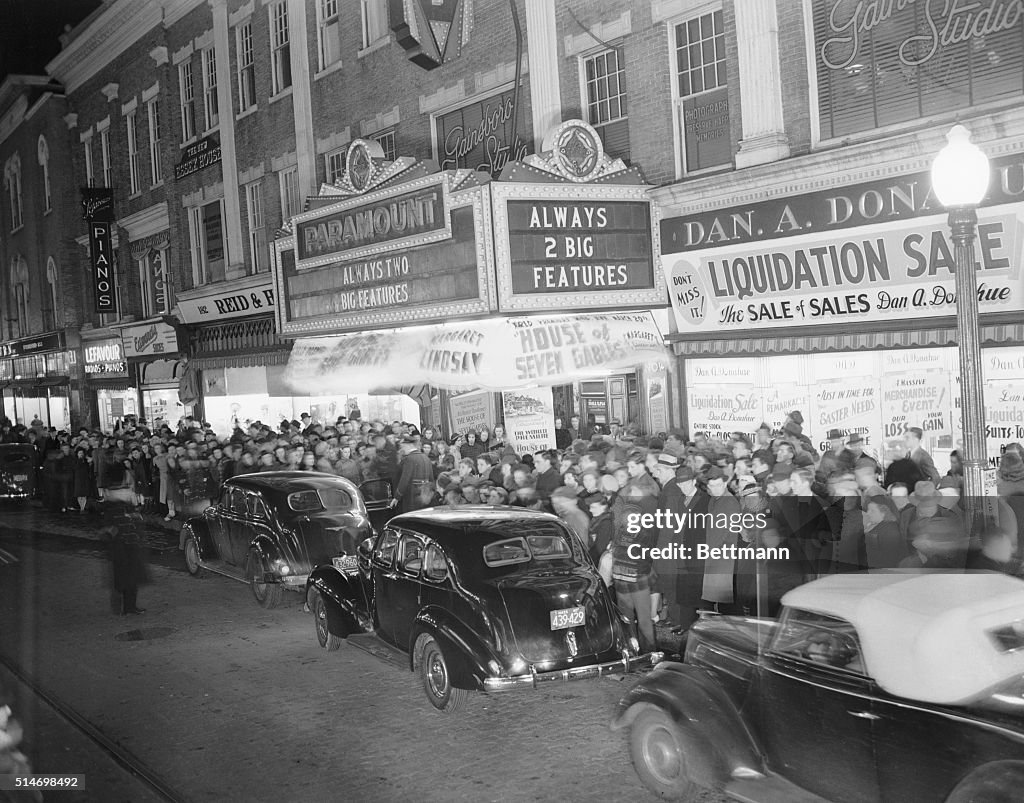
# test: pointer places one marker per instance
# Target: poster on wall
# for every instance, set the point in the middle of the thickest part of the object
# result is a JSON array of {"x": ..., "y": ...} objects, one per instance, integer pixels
[
  {"x": 1004, "y": 416},
  {"x": 716, "y": 412},
  {"x": 917, "y": 399},
  {"x": 471, "y": 411},
  {"x": 851, "y": 406},
  {"x": 655, "y": 382},
  {"x": 529, "y": 419}
]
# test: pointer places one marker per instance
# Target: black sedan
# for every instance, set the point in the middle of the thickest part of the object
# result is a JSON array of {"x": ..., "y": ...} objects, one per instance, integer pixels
[
  {"x": 477, "y": 597},
  {"x": 869, "y": 688},
  {"x": 270, "y": 529}
]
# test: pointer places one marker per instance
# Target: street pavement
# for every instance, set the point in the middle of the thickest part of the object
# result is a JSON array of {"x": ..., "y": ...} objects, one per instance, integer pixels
[{"x": 217, "y": 699}]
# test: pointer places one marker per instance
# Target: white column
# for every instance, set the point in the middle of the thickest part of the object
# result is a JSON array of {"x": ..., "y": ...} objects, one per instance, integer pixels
[
  {"x": 302, "y": 101},
  {"x": 228, "y": 162},
  {"x": 757, "y": 38},
  {"x": 542, "y": 52}
]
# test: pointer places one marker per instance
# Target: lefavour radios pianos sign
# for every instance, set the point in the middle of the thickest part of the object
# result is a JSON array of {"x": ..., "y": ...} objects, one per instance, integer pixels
[
  {"x": 389, "y": 251},
  {"x": 98, "y": 211}
]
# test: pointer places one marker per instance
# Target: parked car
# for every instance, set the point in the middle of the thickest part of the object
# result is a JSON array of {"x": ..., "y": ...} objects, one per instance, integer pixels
[
  {"x": 477, "y": 597},
  {"x": 270, "y": 529},
  {"x": 19, "y": 463},
  {"x": 868, "y": 688}
]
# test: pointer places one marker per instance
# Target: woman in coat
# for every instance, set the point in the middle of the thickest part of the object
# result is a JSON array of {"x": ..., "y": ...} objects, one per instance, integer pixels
[
  {"x": 170, "y": 485},
  {"x": 82, "y": 480},
  {"x": 142, "y": 472}
]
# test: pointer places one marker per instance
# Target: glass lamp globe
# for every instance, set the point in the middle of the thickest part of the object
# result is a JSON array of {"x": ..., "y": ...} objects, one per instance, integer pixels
[{"x": 960, "y": 172}]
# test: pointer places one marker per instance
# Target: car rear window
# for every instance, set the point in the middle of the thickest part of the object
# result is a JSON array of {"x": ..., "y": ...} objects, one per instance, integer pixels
[
  {"x": 1008, "y": 638},
  {"x": 13, "y": 458},
  {"x": 322, "y": 499},
  {"x": 526, "y": 548}
]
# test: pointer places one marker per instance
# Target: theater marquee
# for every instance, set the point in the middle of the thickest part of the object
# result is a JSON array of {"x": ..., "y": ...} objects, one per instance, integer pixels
[
  {"x": 417, "y": 251},
  {"x": 574, "y": 245}
]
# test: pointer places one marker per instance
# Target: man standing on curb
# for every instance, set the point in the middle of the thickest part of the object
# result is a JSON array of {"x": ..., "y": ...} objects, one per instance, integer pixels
[{"x": 415, "y": 486}]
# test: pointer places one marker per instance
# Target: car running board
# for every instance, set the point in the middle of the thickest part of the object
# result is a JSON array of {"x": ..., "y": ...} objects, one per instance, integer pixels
[
  {"x": 769, "y": 789},
  {"x": 377, "y": 647},
  {"x": 226, "y": 569}
]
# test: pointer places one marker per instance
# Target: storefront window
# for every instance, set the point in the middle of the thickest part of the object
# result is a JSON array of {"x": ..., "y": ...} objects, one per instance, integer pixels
[
  {"x": 113, "y": 405},
  {"x": 878, "y": 395},
  {"x": 161, "y": 406}
]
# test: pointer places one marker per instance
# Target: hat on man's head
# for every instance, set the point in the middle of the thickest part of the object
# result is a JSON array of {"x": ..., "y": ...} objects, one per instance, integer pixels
[
  {"x": 781, "y": 471},
  {"x": 684, "y": 473},
  {"x": 796, "y": 417},
  {"x": 668, "y": 460},
  {"x": 595, "y": 498},
  {"x": 793, "y": 428},
  {"x": 563, "y": 492},
  {"x": 865, "y": 462},
  {"x": 714, "y": 473},
  {"x": 855, "y": 438},
  {"x": 834, "y": 434}
]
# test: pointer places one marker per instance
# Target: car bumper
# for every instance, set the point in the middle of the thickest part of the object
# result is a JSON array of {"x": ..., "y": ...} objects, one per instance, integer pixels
[{"x": 534, "y": 679}]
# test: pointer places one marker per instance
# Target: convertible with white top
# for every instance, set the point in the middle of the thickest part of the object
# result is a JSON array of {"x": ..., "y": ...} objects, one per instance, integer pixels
[{"x": 870, "y": 687}]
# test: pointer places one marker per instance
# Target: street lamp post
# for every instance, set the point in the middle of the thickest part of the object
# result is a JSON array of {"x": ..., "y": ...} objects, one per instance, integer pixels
[{"x": 960, "y": 177}]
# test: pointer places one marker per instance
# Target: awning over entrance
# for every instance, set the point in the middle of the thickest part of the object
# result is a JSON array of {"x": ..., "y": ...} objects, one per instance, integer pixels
[{"x": 492, "y": 354}]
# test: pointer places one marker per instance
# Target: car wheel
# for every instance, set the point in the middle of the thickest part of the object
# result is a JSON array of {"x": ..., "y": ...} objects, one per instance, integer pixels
[
  {"x": 268, "y": 595},
  {"x": 437, "y": 681},
  {"x": 328, "y": 640},
  {"x": 192, "y": 562},
  {"x": 656, "y": 747}
]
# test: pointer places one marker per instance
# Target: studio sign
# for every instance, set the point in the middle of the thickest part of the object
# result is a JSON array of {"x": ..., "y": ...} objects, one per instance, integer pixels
[{"x": 938, "y": 25}]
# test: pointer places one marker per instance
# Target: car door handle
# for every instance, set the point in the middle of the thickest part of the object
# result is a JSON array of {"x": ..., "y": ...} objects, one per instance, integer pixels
[{"x": 863, "y": 715}]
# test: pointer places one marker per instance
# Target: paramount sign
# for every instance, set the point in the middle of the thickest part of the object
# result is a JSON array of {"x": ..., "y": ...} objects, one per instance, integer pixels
[{"x": 371, "y": 226}]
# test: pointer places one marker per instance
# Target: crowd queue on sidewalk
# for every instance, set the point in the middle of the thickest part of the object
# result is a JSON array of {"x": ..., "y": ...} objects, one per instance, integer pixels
[{"x": 836, "y": 511}]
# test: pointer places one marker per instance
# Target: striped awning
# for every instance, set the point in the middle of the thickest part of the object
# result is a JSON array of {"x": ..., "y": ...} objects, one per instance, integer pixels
[
  {"x": 991, "y": 334},
  {"x": 269, "y": 357}
]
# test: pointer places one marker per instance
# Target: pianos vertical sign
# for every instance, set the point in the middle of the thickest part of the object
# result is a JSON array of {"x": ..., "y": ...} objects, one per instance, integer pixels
[{"x": 98, "y": 211}]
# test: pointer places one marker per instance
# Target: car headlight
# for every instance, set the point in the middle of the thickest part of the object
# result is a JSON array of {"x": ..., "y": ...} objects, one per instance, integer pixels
[
  {"x": 282, "y": 567},
  {"x": 634, "y": 644}
]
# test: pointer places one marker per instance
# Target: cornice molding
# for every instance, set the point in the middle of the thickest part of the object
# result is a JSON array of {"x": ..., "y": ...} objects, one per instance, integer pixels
[
  {"x": 103, "y": 39},
  {"x": 151, "y": 220}
]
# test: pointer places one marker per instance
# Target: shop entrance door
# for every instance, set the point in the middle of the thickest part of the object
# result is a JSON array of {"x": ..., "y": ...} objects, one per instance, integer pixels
[{"x": 604, "y": 400}]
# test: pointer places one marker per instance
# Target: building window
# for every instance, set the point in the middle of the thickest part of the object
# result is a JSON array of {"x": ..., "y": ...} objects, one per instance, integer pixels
[
  {"x": 50, "y": 312},
  {"x": 134, "y": 178},
  {"x": 328, "y": 32},
  {"x": 280, "y": 53},
  {"x": 257, "y": 228},
  {"x": 19, "y": 282},
  {"x": 153, "y": 282},
  {"x": 43, "y": 152},
  {"x": 156, "y": 172},
  {"x": 374, "y": 14},
  {"x": 246, "y": 68},
  {"x": 90, "y": 173},
  {"x": 605, "y": 85},
  {"x": 206, "y": 234},
  {"x": 912, "y": 62},
  {"x": 703, "y": 98},
  {"x": 387, "y": 143},
  {"x": 12, "y": 183},
  {"x": 108, "y": 179},
  {"x": 290, "y": 204},
  {"x": 188, "y": 101},
  {"x": 210, "y": 88},
  {"x": 335, "y": 161}
]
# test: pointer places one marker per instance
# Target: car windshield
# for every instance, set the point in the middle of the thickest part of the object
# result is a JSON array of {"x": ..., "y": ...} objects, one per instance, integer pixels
[{"x": 320, "y": 499}]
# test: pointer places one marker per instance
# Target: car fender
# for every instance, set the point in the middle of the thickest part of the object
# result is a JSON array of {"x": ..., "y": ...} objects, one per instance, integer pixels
[
  {"x": 341, "y": 597},
  {"x": 994, "y": 782},
  {"x": 199, "y": 529},
  {"x": 715, "y": 731},
  {"x": 266, "y": 548},
  {"x": 464, "y": 651}
]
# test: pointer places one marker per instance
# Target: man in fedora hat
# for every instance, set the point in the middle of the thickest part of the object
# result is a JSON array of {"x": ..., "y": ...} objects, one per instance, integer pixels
[
  {"x": 415, "y": 486},
  {"x": 832, "y": 460}
]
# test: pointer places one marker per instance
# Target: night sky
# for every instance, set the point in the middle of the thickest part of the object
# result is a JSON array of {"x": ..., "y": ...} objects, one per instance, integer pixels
[{"x": 29, "y": 31}]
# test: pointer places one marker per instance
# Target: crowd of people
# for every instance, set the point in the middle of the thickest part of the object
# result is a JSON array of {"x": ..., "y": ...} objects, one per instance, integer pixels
[{"x": 842, "y": 510}]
